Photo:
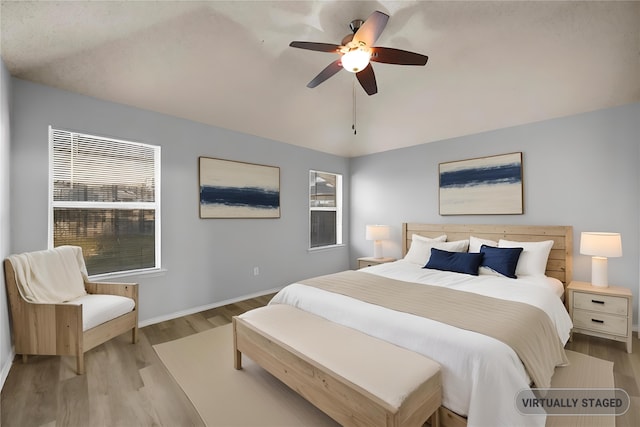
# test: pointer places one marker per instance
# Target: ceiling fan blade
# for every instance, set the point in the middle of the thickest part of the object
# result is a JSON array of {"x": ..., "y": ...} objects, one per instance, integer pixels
[
  {"x": 390, "y": 55},
  {"x": 372, "y": 28},
  {"x": 329, "y": 71},
  {"x": 367, "y": 80},
  {"x": 320, "y": 47}
]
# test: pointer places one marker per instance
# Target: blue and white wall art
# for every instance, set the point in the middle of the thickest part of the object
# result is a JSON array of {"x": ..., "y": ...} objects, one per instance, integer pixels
[
  {"x": 487, "y": 185},
  {"x": 230, "y": 189}
]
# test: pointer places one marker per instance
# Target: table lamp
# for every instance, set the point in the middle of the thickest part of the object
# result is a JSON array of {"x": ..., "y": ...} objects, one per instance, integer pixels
[
  {"x": 377, "y": 233},
  {"x": 600, "y": 246}
]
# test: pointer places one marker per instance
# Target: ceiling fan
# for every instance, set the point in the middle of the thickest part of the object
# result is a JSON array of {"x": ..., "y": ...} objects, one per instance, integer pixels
[{"x": 357, "y": 50}]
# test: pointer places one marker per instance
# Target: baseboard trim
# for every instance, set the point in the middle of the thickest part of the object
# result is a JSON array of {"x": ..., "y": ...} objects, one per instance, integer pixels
[
  {"x": 6, "y": 367},
  {"x": 198, "y": 309}
]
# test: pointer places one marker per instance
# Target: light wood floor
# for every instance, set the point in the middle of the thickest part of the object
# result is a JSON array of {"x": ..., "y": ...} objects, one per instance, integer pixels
[{"x": 127, "y": 385}]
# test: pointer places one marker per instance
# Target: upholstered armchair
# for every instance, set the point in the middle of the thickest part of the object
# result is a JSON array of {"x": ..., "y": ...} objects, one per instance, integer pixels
[{"x": 56, "y": 310}]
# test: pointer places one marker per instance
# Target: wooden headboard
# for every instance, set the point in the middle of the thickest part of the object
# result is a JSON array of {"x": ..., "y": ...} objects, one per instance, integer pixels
[{"x": 559, "y": 265}]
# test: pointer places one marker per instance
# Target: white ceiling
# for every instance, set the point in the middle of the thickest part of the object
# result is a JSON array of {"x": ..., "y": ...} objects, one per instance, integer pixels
[{"x": 229, "y": 64}]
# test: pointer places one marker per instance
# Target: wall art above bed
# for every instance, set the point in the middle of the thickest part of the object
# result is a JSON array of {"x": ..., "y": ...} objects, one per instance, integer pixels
[
  {"x": 230, "y": 189},
  {"x": 482, "y": 186}
]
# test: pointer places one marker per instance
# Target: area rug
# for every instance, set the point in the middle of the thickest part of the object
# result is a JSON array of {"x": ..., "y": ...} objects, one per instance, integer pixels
[
  {"x": 583, "y": 372},
  {"x": 202, "y": 364}
]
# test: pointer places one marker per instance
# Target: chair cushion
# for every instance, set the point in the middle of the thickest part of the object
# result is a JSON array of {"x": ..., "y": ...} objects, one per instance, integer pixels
[{"x": 97, "y": 309}]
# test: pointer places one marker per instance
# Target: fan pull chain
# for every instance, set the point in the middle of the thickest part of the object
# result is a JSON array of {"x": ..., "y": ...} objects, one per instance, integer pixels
[{"x": 353, "y": 126}]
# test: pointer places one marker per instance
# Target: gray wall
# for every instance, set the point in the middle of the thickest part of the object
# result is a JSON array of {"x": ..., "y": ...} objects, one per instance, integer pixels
[
  {"x": 580, "y": 171},
  {"x": 207, "y": 261},
  {"x": 5, "y": 337}
]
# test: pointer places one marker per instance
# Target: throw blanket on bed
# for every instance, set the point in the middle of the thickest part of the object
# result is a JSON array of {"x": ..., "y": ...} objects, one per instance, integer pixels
[
  {"x": 525, "y": 328},
  {"x": 50, "y": 276}
]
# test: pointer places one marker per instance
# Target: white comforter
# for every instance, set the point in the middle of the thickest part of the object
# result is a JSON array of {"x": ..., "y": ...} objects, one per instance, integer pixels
[{"x": 481, "y": 375}]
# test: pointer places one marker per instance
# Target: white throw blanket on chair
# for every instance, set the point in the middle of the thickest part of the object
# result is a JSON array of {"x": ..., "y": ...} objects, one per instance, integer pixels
[{"x": 50, "y": 276}]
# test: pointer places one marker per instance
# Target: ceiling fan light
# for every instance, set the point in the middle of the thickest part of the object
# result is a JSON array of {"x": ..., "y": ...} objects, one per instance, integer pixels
[{"x": 356, "y": 60}]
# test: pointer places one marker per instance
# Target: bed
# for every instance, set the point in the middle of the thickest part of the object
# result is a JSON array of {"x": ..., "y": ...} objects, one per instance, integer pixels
[{"x": 481, "y": 374}]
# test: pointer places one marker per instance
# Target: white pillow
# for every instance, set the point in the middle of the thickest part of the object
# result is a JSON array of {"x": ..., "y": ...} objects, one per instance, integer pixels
[
  {"x": 475, "y": 243},
  {"x": 442, "y": 238},
  {"x": 457, "y": 246},
  {"x": 533, "y": 259},
  {"x": 486, "y": 271},
  {"x": 420, "y": 250}
]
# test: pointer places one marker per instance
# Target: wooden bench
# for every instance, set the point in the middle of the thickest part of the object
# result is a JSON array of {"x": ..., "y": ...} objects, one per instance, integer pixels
[{"x": 356, "y": 379}]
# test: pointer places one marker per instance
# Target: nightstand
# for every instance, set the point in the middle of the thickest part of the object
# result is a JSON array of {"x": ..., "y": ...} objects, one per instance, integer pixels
[
  {"x": 601, "y": 312},
  {"x": 369, "y": 261}
]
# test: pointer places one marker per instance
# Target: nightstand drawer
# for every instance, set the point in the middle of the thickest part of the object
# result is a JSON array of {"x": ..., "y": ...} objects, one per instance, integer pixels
[
  {"x": 600, "y": 322},
  {"x": 600, "y": 303},
  {"x": 363, "y": 264},
  {"x": 370, "y": 261}
]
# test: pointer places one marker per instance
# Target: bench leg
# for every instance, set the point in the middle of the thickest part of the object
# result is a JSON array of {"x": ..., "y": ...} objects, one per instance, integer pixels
[
  {"x": 80, "y": 364},
  {"x": 237, "y": 355},
  {"x": 434, "y": 420},
  {"x": 237, "y": 359}
]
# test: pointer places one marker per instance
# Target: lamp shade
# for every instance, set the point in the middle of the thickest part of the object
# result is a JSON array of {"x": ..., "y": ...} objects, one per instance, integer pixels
[
  {"x": 377, "y": 232},
  {"x": 601, "y": 244}
]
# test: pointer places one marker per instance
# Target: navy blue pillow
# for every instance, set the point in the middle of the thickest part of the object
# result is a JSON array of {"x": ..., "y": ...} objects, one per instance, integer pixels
[
  {"x": 501, "y": 260},
  {"x": 459, "y": 262}
]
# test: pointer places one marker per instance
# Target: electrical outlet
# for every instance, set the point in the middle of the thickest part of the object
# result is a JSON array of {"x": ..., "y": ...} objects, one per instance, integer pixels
[{"x": 256, "y": 271}]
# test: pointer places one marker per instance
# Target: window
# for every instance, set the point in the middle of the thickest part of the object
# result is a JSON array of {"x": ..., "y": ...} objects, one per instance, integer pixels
[
  {"x": 325, "y": 209},
  {"x": 105, "y": 197}
]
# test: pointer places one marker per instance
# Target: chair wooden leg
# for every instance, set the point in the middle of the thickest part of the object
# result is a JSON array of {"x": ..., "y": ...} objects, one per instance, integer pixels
[
  {"x": 24, "y": 358},
  {"x": 80, "y": 364},
  {"x": 134, "y": 335}
]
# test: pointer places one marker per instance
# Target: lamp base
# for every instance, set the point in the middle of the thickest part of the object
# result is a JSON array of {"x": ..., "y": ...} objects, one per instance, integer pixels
[
  {"x": 599, "y": 272},
  {"x": 377, "y": 249}
]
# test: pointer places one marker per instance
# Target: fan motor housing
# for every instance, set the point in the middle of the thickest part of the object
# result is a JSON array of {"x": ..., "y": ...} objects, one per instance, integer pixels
[{"x": 355, "y": 25}]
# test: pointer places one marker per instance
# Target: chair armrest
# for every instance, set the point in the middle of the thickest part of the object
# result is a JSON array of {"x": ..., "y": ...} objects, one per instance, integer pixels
[
  {"x": 47, "y": 328},
  {"x": 49, "y": 311},
  {"x": 109, "y": 288},
  {"x": 31, "y": 316}
]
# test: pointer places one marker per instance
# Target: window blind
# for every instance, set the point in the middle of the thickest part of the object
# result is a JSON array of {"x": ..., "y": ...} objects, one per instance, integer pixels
[
  {"x": 105, "y": 198},
  {"x": 94, "y": 169}
]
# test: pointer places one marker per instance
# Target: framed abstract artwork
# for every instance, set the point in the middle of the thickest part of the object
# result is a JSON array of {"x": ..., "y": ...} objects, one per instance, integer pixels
[
  {"x": 231, "y": 189},
  {"x": 482, "y": 186}
]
